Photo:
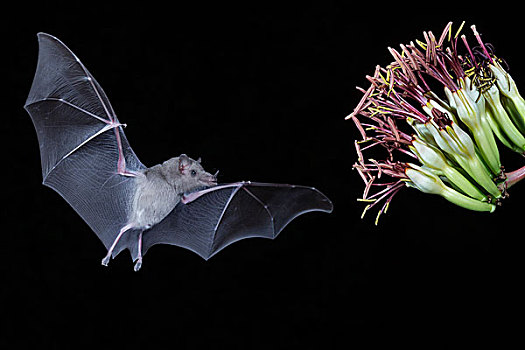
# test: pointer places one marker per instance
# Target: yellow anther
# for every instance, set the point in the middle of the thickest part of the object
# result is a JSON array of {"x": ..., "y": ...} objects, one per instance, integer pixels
[
  {"x": 364, "y": 211},
  {"x": 459, "y": 30}
]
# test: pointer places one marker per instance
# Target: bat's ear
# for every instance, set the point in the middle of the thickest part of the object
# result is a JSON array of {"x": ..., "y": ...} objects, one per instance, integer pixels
[
  {"x": 184, "y": 163},
  {"x": 199, "y": 160}
]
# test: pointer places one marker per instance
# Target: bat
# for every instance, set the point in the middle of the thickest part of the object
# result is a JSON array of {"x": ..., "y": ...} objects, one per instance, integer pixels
[{"x": 87, "y": 159}]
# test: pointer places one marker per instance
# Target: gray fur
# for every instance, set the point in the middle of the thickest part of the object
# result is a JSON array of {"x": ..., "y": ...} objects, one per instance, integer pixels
[{"x": 160, "y": 188}]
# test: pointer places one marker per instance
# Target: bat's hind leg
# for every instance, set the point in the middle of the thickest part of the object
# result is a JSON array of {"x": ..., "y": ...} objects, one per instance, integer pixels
[
  {"x": 106, "y": 259},
  {"x": 138, "y": 264}
]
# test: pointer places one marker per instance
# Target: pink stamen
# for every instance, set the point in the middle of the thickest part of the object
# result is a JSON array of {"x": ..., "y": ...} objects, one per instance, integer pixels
[
  {"x": 464, "y": 38},
  {"x": 478, "y": 38},
  {"x": 444, "y": 34}
]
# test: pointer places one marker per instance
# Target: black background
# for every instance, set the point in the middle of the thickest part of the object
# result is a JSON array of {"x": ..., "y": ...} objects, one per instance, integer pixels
[{"x": 259, "y": 92}]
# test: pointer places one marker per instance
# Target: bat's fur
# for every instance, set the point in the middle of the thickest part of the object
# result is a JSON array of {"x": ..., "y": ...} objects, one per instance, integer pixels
[{"x": 160, "y": 188}]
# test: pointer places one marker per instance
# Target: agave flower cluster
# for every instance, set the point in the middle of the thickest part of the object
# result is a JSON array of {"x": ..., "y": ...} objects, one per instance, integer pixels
[{"x": 456, "y": 104}]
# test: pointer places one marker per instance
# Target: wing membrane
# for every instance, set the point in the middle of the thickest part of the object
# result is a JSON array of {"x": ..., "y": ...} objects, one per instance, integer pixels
[
  {"x": 228, "y": 213},
  {"x": 81, "y": 141}
]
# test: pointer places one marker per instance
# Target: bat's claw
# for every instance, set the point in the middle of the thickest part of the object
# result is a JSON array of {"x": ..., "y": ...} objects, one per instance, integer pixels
[
  {"x": 138, "y": 264},
  {"x": 105, "y": 261}
]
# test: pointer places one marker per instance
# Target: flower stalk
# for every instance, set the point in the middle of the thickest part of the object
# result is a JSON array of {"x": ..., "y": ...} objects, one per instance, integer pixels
[{"x": 514, "y": 177}]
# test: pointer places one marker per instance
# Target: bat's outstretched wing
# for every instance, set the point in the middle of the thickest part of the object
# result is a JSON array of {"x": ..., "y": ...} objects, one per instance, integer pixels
[
  {"x": 86, "y": 158},
  {"x": 224, "y": 214},
  {"x": 85, "y": 154}
]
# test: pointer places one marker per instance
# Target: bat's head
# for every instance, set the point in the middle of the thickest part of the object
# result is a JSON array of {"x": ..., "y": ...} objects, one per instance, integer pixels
[{"x": 192, "y": 174}]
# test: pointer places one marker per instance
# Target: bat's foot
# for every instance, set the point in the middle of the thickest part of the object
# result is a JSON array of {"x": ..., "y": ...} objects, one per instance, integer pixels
[
  {"x": 138, "y": 264},
  {"x": 106, "y": 259}
]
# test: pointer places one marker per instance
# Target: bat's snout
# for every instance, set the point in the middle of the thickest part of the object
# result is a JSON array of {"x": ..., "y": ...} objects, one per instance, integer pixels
[{"x": 209, "y": 179}]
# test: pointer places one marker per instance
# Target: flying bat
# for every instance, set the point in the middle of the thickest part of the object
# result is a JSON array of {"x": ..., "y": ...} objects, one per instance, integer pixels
[{"x": 87, "y": 159}]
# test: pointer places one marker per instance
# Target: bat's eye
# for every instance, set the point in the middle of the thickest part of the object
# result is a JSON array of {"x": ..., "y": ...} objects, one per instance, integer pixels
[{"x": 193, "y": 173}]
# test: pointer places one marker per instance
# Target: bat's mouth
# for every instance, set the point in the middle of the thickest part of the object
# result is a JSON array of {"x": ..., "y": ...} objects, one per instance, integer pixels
[{"x": 210, "y": 180}]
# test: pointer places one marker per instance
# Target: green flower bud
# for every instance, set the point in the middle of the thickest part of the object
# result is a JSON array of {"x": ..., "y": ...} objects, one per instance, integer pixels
[
  {"x": 511, "y": 98},
  {"x": 500, "y": 121},
  {"x": 427, "y": 182},
  {"x": 434, "y": 159},
  {"x": 471, "y": 111}
]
